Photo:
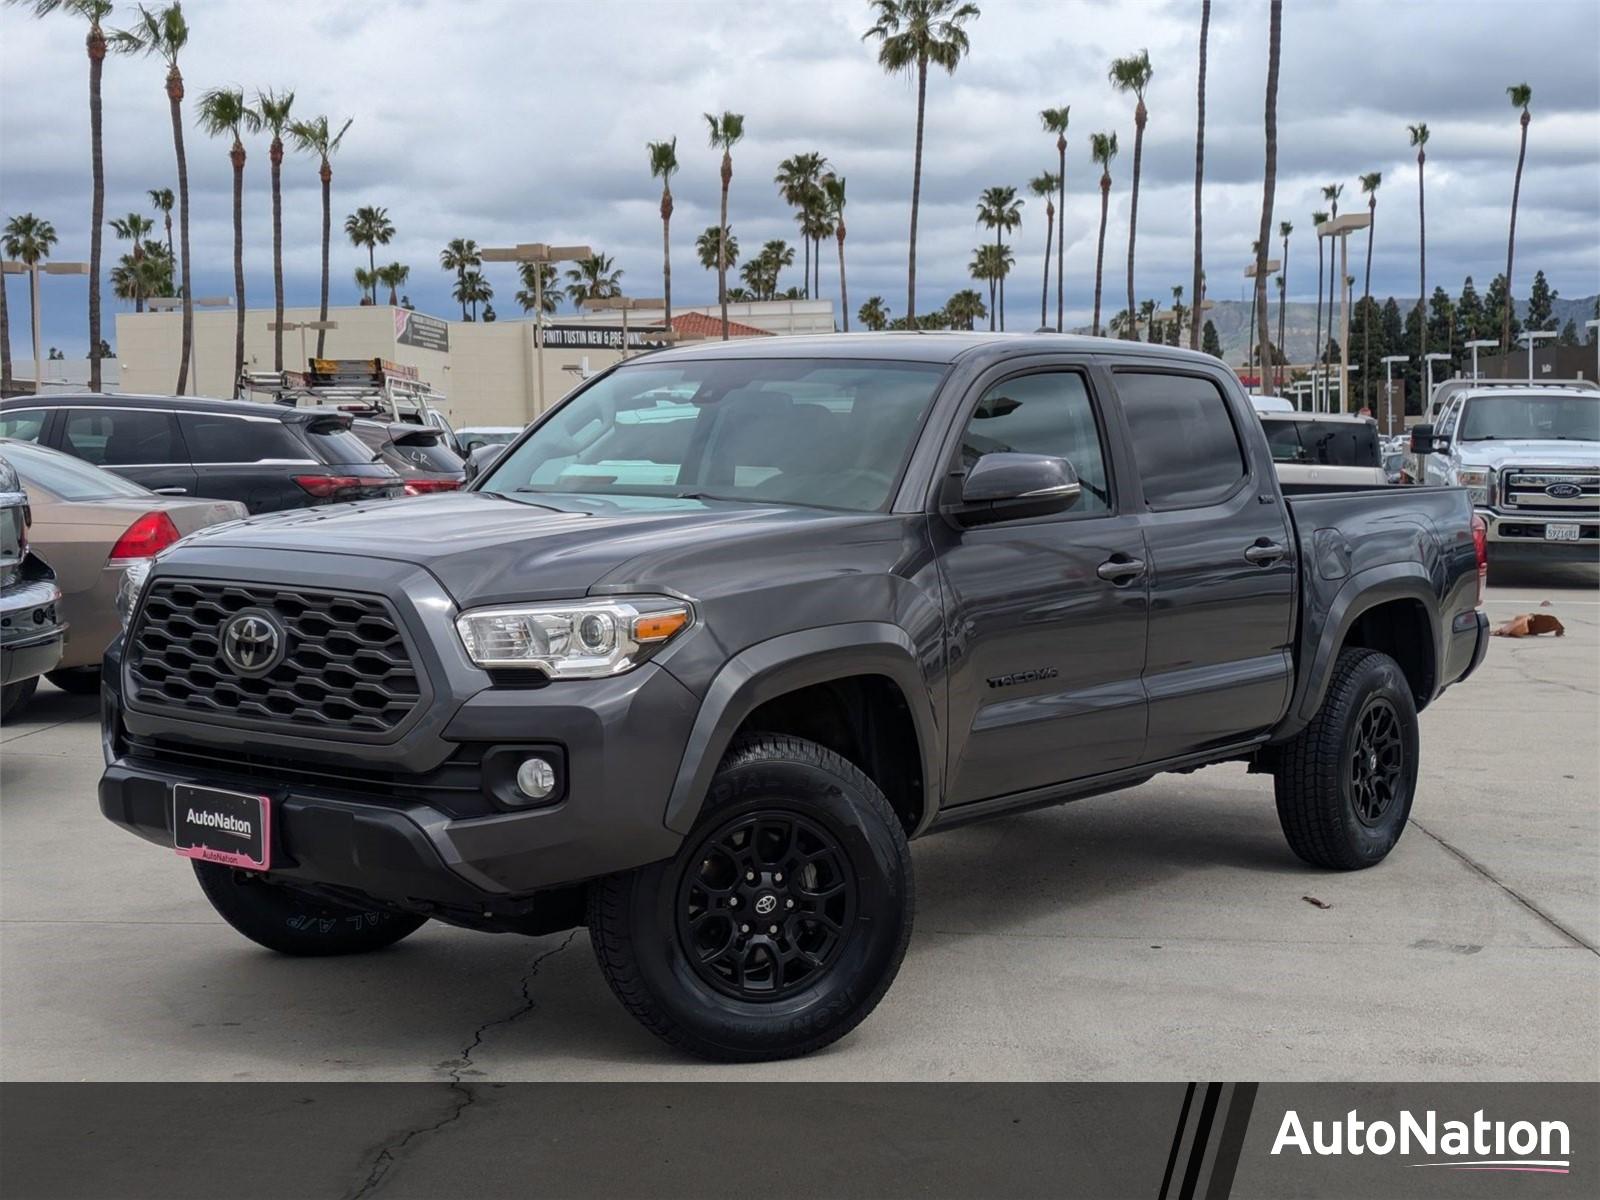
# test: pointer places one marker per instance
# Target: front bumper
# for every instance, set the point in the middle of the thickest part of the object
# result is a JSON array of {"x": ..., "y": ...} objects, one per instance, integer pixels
[
  {"x": 1524, "y": 536},
  {"x": 31, "y": 634}
]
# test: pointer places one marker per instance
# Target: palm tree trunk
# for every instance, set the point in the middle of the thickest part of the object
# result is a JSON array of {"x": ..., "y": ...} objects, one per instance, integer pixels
[
  {"x": 916, "y": 192},
  {"x": 722, "y": 243},
  {"x": 1366, "y": 308},
  {"x": 5, "y": 340},
  {"x": 237, "y": 155},
  {"x": 1283, "y": 305},
  {"x": 1334, "y": 282},
  {"x": 327, "y": 227},
  {"x": 666, "y": 254},
  {"x": 1274, "y": 35},
  {"x": 276, "y": 155},
  {"x": 1044, "y": 294},
  {"x": 805, "y": 269},
  {"x": 1511, "y": 246},
  {"x": 97, "y": 52},
  {"x": 844, "y": 293},
  {"x": 1100, "y": 253},
  {"x": 1422, "y": 281},
  {"x": 1199, "y": 175},
  {"x": 1133, "y": 213},
  {"x": 175, "y": 98},
  {"x": 1316, "y": 355},
  {"x": 1250, "y": 344},
  {"x": 372, "y": 270},
  {"x": 1061, "y": 238},
  {"x": 33, "y": 323},
  {"x": 461, "y": 288}
]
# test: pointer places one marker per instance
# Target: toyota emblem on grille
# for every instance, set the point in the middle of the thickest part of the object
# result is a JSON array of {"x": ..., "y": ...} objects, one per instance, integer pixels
[
  {"x": 1563, "y": 491},
  {"x": 253, "y": 642}
]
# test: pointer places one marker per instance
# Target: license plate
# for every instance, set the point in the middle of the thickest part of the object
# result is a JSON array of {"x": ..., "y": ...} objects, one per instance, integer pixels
[
  {"x": 1561, "y": 533},
  {"x": 231, "y": 828}
]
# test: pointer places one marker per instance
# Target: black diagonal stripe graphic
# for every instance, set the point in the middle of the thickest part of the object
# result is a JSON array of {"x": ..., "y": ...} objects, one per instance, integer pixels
[
  {"x": 1177, "y": 1140},
  {"x": 1202, "y": 1135},
  {"x": 1240, "y": 1105}
]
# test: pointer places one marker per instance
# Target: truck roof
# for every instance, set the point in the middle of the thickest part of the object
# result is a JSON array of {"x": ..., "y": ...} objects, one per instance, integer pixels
[{"x": 931, "y": 347}]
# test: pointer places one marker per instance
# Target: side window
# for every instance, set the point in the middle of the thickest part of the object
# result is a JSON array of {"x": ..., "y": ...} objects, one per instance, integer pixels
[
  {"x": 23, "y": 424},
  {"x": 1447, "y": 423},
  {"x": 117, "y": 437},
  {"x": 1283, "y": 437},
  {"x": 1048, "y": 413},
  {"x": 1183, "y": 438},
  {"x": 220, "y": 438}
]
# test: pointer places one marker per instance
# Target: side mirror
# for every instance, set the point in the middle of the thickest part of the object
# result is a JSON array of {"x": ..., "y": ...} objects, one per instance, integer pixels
[
  {"x": 1004, "y": 486},
  {"x": 481, "y": 459},
  {"x": 1422, "y": 440}
]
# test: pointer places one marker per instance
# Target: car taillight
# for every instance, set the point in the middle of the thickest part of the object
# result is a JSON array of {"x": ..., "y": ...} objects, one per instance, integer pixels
[
  {"x": 417, "y": 487},
  {"x": 1480, "y": 544},
  {"x": 328, "y": 485},
  {"x": 146, "y": 537}
]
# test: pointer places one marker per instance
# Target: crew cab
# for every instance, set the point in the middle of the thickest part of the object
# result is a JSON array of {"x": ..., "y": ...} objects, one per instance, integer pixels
[
  {"x": 712, "y": 639},
  {"x": 1529, "y": 456}
]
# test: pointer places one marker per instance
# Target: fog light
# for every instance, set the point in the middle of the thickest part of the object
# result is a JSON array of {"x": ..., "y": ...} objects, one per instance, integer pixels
[{"x": 536, "y": 778}]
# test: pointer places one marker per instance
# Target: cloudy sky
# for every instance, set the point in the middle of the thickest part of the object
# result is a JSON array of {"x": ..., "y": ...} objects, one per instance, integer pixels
[{"x": 520, "y": 121}]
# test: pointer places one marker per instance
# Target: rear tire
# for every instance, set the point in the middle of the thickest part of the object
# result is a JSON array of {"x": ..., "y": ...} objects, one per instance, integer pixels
[
  {"x": 80, "y": 681},
  {"x": 15, "y": 696},
  {"x": 780, "y": 923},
  {"x": 291, "y": 922},
  {"x": 1344, "y": 784}
]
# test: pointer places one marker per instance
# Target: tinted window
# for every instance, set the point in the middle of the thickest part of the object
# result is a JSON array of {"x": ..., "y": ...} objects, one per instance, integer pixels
[
  {"x": 120, "y": 437},
  {"x": 332, "y": 442},
  {"x": 67, "y": 478},
  {"x": 1183, "y": 438},
  {"x": 1042, "y": 414},
  {"x": 22, "y": 424},
  {"x": 1541, "y": 418},
  {"x": 423, "y": 455},
  {"x": 1323, "y": 443},
  {"x": 220, "y": 438}
]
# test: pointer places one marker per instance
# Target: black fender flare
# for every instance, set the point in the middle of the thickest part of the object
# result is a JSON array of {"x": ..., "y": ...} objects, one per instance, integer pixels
[
  {"x": 795, "y": 660},
  {"x": 1363, "y": 591}
]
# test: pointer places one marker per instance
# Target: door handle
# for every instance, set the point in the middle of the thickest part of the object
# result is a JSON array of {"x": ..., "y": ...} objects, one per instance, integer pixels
[
  {"x": 1263, "y": 552},
  {"x": 170, "y": 491},
  {"x": 1120, "y": 569}
]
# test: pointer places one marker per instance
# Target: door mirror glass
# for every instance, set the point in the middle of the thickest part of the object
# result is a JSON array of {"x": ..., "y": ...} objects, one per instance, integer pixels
[
  {"x": 1422, "y": 440},
  {"x": 1004, "y": 485}
]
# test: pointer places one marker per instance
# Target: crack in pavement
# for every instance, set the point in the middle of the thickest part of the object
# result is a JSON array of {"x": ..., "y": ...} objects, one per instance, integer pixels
[
  {"x": 464, "y": 1097},
  {"x": 1467, "y": 860}
]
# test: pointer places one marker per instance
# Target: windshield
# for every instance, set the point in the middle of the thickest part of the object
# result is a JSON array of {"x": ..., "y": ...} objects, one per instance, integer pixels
[
  {"x": 823, "y": 433},
  {"x": 1323, "y": 443},
  {"x": 1542, "y": 418},
  {"x": 68, "y": 478}
]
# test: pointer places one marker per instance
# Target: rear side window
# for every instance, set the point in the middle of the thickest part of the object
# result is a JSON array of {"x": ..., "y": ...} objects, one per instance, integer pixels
[
  {"x": 23, "y": 424},
  {"x": 1183, "y": 438},
  {"x": 333, "y": 443},
  {"x": 219, "y": 438},
  {"x": 122, "y": 437}
]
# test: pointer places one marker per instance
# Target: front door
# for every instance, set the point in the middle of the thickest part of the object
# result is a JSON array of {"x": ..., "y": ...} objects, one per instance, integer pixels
[{"x": 1045, "y": 616}]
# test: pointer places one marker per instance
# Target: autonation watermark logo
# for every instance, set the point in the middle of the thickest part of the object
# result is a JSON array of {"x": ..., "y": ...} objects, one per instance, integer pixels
[{"x": 1480, "y": 1144}]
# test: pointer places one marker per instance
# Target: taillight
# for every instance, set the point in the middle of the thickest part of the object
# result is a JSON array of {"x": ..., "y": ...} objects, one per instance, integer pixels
[
  {"x": 328, "y": 485},
  {"x": 146, "y": 537},
  {"x": 1480, "y": 544},
  {"x": 417, "y": 487}
]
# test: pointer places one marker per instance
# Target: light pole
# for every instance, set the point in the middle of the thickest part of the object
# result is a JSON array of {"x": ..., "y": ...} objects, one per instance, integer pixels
[
  {"x": 168, "y": 304},
  {"x": 539, "y": 254},
  {"x": 1342, "y": 227},
  {"x": 1477, "y": 344},
  {"x": 625, "y": 305},
  {"x": 1429, "y": 360},
  {"x": 13, "y": 267},
  {"x": 1535, "y": 335},
  {"x": 1594, "y": 330},
  {"x": 1250, "y": 273},
  {"x": 302, "y": 326},
  {"x": 1388, "y": 385}
]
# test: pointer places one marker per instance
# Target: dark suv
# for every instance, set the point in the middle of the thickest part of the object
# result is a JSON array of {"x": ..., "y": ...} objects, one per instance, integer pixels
[{"x": 265, "y": 456}]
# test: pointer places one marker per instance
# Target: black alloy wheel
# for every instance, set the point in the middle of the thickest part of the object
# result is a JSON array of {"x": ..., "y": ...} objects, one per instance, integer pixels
[{"x": 1377, "y": 761}]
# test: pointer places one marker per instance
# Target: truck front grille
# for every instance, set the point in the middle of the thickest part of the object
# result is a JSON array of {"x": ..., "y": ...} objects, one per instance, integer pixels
[
  {"x": 1569, "y": 493},
  {"x": 344, "y": 663}
]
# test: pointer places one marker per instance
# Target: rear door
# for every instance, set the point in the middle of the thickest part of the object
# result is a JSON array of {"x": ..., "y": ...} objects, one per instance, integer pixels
[
  {"x": 1222, "y": 562},
  {"x": 141, "y": 444},
  {"x": 248, "y": 458}
]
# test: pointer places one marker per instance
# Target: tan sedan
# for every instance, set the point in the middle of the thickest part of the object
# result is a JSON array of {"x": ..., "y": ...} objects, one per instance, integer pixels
[{"x": 89, "y": 524}]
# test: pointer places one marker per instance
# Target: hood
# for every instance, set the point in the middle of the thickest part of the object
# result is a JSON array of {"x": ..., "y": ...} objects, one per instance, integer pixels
[
  {"x": 488, "y": 549},
  {"x": 1530, "y": 452}
]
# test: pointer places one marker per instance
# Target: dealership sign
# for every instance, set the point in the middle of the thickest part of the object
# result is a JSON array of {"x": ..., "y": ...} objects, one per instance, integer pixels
[
  {"x": 603, "y": 337},
  {"x": 419, "y": 329},
  {"x": 1481, "y": 1144}
]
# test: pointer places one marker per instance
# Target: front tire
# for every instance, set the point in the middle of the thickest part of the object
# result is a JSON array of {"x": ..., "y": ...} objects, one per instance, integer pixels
[
  {"x": 780, "y": 923},
  {"x": 291, "y": 922},
  {"x": 1344, "y": 784}
]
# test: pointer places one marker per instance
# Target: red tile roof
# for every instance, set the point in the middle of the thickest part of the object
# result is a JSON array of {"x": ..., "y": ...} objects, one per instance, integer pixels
[{"x": 698, "y": 325}]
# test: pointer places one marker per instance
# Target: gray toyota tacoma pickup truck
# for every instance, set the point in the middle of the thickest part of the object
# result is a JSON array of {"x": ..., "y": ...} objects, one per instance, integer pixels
[{"x": 717, "y": 635}]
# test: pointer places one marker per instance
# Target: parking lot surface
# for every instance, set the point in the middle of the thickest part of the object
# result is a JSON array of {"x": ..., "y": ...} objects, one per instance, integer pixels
[{"x": 1164, "y": 932}]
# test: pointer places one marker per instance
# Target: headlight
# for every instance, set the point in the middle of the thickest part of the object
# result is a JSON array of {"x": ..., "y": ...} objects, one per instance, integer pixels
[
  {"x": 584, "y": 639},
  {"x": 1477, "y": 484},
  {"x": 134, "y": 576}
]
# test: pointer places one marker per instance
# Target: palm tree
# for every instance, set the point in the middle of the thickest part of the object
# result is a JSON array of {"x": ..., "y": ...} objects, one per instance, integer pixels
[
  {"x": 663, "y": 166},
  {"x": 1521, "y": 95},
  {"x": 224, "y": 113},
  {"x": 134, "y": 227},
  {"x": 461, "y": 255},
  {"x": 274, "y": 109},
  {"x": 594, "y": 278},
  {"x": 394, "y": 278},
  {"x": 999, "y": 209},
  {"x": 724, "y": 133},
  {"x": 713, "y": 245},
  {"x": 833, "y": 196},
  {"x": 1045, "y": 186},
  {"x": 1132, "y": 74},
  {"x": 1055, "y": 121},
  {"x": 370, "y": 226},
  {"x": 1317, "y": 220},
  {"x": 874, "y": 314},
  {"x": 1180, "y": 315},
  {"x": 541, "y": 291},
  {"x": 1331, "y": 193},
  {"x": 1199, "y": 175},
  {"x": 92, "y": 11},
  {"x": 472, "y": 288},
  {"x": 28, "y": 239},
  {"x": 965, "y": 308},
  {"x": 815, "y": 225},
  {"x": 799, "y": 183},
  {"x": 1270, "y": 181},
  {"x": 367, "y": 281},
  {"x": 1419, "y": 139},
  {"x": 1103, "y": 148},
  {"x": 912, "y": 34},
  {"x": 137, "y": 277},
  {"x": 163, "y": 201},
  {"x": 317, "y": 137},
  {"x": 165, "y": 33},
  {"x": 1256, "y": 292},
  {"x": 1369, "y": 188},
  {"x": 1284, "y": 230}
]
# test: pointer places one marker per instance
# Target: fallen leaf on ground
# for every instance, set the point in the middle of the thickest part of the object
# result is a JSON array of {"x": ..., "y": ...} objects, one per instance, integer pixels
[
  {"x": 1531, "y": 625},
  {"x": 1314, "y": 901}
]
